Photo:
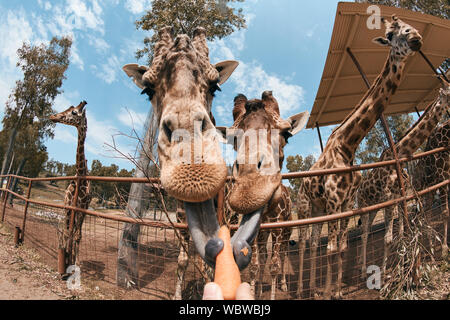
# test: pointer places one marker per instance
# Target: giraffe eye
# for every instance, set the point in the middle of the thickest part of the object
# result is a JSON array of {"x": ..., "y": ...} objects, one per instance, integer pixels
[{"x": 74, "y": 112}]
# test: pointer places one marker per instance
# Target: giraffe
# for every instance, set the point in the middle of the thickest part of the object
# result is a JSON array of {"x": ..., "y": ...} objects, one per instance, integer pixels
[
  {"x": 181, "y": 83},
  {"x": 381, "y": 184},
  {"x": 327, "y": 195},
  {"x": 75, "y": 116},
  {"x": 258, "y": 192},
  {"x": 435, "y": 169}
]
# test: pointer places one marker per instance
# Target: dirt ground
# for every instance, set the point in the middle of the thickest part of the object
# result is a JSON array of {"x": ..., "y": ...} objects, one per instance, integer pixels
[{"x": 23, "y": 276}]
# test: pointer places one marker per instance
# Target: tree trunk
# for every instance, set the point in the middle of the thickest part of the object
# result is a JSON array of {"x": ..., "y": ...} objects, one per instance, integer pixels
[
  {"x": 9, "y": 150},
  {"x": 14, "y": 183},
  {"x": 127, "y": 261}
]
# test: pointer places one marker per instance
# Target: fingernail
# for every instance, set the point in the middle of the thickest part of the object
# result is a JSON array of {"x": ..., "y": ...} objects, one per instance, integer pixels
[{"x": 212, "y": 291}]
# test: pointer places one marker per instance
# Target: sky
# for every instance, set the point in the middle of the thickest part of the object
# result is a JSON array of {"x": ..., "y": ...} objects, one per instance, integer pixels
[{"x": 283, "y": 49}]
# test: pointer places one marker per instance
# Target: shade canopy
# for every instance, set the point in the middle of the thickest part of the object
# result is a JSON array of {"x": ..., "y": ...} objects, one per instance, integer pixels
[{"x": 342, "y": 87}]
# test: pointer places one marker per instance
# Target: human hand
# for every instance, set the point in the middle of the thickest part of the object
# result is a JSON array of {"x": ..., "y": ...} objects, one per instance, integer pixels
[{"x": 213, "y": 291}]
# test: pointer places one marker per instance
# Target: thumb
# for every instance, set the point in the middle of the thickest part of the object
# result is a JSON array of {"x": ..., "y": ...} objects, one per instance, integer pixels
[{"x": 212, "y": 291}]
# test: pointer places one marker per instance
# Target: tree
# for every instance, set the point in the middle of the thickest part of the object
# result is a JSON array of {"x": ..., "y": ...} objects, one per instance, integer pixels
[
  {"x": 376, "y": 141},
  {"x": 297, "y": 164},
  {"x": 30, "y": 104},
  {"x": 219, "y": 20}
]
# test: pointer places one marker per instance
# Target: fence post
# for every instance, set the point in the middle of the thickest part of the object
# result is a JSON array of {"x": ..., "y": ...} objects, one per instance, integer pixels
[
  {"x": 25, "y": 210},
  {"x": 17, "y": 236},
  {"x": 5, "y": 198}
]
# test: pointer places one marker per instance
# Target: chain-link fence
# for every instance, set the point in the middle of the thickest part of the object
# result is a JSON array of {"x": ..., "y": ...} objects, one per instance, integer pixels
[{"x": 161, "y": 263}]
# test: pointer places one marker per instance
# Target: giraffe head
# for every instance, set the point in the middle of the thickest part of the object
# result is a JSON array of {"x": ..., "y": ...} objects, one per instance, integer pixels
[
  {"x": 259, "y": 135},
  {"x": 403, "y": 39},
  {"x": 259, "y": 139},
  {"x": 181, "y": 83},
  {"x": 73, "y": 116}
]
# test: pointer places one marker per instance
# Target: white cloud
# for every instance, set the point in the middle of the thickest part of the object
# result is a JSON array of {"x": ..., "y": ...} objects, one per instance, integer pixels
[
  {"x": 252, "y": 80},
  {"x": 108, "y": 71},
  {"x": 137, "y": 6},
  {"x": 131, "y": 118},
  {"x": 80, "y": 16},
  {"x": 100, "y": 45}
]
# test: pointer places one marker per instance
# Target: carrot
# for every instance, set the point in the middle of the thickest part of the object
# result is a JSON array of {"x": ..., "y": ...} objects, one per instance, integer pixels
[{"x": 227, "y": 274}]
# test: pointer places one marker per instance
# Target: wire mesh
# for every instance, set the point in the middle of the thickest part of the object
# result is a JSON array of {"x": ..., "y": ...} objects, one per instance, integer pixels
[{"x": 162, "y": 269}]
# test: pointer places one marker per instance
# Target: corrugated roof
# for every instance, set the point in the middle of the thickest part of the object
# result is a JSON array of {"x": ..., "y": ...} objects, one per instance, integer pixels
[{"x": 342, "y": 87}]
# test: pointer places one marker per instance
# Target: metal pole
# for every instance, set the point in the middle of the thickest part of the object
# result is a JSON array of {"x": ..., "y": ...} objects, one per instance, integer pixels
[
  {"x": 417, "y": 111},
  {"x": 5, "y": 197},
  {"x": 25, "y": 210},
  {"x": 320, "y": 136},
  {"x": 390, "y": 140},
  {"x": 432, "y": 67}
]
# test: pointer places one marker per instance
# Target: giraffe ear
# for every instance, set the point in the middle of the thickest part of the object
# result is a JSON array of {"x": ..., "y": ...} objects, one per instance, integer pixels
[
  {"x": 298, "y": 122},
  {"x": 382, "y": 41},
  {"x": 136, "y": 72},
  {"x": 225, "y": 68}
]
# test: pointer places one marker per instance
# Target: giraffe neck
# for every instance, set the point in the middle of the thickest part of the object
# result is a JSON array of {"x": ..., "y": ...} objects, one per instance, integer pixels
[
  {"x": 420, "y": 131},
  {"x": 81, "y": 160},
  {"x": 361, "y": 120}
]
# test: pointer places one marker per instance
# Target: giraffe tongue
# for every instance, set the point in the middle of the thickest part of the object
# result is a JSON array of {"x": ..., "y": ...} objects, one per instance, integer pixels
[
  {"x": 204, "y": 227},
  {"x": 243, "y": 238}
]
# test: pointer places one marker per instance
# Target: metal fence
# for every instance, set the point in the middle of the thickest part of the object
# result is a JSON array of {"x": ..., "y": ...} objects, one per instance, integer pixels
[{"x": 38, "y": 208}]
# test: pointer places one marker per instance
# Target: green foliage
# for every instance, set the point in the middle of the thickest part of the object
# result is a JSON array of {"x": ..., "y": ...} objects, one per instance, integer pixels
[
  {"x": 438, "y": 8},
  {"x": 376, "y": 141},
  {"x": 110, "y": 191},
  {"x": 26, "y": 123},
  {"x": 296, "y": 164},
  {"x": 216, "y": 16}
]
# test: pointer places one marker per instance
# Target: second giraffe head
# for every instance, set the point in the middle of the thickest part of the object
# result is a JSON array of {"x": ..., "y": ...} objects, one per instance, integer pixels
[{"x": 73, "y": 116}]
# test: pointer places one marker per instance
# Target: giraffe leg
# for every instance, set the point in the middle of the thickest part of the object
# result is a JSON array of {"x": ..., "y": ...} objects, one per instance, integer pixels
[
  {"x": 366, "y": 223},
  {"x": 343, "y": 235},
  {"x": 446, "y": 214},
  {"x": 332, "y": 250},
  {"x": 254, "y": 267},
  {"x": 284, "y": 255},
  {"x": 262, "y": 243},
  {"x": 388, "y": 236},
  {"x": 183, "y": 261},
  {"x": 315, "y": 238},
  {"x": 275, "y": 264},
  {"x": 301, "y": 256}
]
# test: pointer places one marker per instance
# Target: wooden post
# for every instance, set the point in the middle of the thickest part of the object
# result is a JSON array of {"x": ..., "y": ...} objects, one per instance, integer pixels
[
  {"x": 25, "y": 210},
  {"x": 61, "y": 261},
  {"x": 17, "y": 236}
]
